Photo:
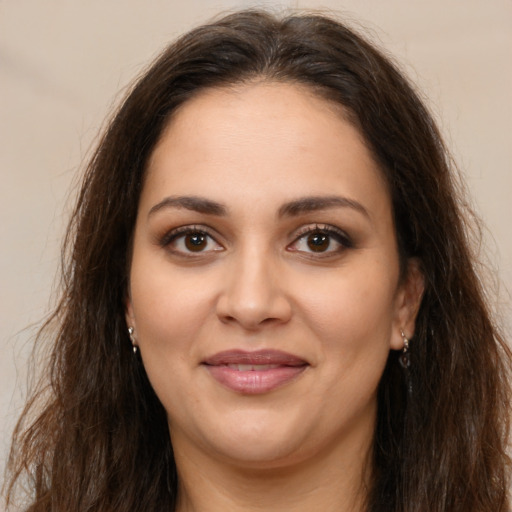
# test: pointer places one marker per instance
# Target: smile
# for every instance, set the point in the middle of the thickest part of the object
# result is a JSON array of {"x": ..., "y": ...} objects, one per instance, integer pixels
[{"x": 254, "y": 373}]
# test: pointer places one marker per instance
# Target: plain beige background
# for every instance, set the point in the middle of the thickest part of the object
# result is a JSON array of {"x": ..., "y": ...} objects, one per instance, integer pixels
[{"x": 63, "y": 65}]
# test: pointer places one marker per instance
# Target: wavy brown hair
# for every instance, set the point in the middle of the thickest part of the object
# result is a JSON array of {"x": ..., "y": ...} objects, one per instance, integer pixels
[{"x": 95, "y": 438}]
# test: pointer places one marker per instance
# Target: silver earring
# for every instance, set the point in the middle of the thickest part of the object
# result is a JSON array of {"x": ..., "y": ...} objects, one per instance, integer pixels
[
  {"x": 132, "y": 339},
  {"x": 404, "y": 358}
]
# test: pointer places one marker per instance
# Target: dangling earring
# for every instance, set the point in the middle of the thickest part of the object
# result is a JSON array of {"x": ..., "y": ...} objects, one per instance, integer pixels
[
  {"x": 404, "y": 359},
  {"x": 132, "y": 339},
  {"x": 405, "y": 362}
]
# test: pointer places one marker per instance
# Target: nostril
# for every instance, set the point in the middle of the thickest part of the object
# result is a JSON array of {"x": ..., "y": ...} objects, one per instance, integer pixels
[
  {"x": 252, "y": 300},
  {"x": 253, "y": 322}
]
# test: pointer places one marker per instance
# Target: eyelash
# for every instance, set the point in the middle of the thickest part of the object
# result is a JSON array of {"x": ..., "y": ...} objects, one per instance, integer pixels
[
  {"x": 333, "y": 232},
  {"x": 336, "y": 234},
  {"x": 175, "y": 234}
]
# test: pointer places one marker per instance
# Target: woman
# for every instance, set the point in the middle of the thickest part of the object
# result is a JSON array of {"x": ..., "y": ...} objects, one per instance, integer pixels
[{"x": 269, "y": 299}]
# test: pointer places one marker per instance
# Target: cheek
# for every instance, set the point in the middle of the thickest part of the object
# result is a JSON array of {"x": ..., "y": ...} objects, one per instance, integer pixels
[
  {"x": 170, "y": 307},
  {"x": 354, "y": 331},
  {"x": 352, "y": 313},
  {"x": 171, "y": 313}
]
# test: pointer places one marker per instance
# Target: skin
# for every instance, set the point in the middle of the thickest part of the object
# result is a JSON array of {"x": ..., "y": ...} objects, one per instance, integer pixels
[{"x": 256, "y": 283}]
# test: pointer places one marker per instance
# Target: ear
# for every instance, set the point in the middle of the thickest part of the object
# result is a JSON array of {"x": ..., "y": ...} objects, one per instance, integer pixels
[
  {"x": 407, "y": 303},
  {"x": 128, "y": 312}
]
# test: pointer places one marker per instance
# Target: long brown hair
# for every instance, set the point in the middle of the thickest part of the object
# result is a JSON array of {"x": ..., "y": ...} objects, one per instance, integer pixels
[{"x": 98, "y": 438}]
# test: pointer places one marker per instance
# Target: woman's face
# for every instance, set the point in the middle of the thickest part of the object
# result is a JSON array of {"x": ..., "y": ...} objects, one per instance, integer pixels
[{"x": 264, "y": 284}]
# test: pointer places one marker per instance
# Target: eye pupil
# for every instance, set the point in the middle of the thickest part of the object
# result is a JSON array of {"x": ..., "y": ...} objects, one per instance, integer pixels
[
  {"x": 318, "y": 242},
  {"x": 195, "y": 242}
]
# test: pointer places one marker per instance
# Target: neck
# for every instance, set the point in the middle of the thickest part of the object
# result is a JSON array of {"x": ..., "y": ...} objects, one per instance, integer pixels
[{"x": 335, "y": 480}]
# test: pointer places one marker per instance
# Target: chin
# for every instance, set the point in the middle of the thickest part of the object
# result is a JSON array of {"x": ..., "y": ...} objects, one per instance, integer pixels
[
  {"x": 259, "y": 439},
  {"x": 268, "y": 453}
]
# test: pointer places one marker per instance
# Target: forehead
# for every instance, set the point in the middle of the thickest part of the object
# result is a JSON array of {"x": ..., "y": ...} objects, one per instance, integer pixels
[{"x": 263, "y": 139}]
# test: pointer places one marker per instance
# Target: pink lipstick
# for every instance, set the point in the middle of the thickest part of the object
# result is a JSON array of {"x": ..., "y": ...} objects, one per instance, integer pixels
[{"x": 256, "y": 372}]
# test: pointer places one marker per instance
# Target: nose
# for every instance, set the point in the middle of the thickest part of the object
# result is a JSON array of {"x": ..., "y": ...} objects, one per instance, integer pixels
[{"x": 254, "y": 294}]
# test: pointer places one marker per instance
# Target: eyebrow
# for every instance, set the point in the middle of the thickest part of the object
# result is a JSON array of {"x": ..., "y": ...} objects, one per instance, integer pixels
[
  {"x": 315, "y": 203},
  {"x": 290, "y": 209},
  {"x": 193, "y": 203}
]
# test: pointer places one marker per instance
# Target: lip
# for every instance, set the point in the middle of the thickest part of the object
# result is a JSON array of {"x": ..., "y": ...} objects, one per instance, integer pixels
[{"x": 255, "y": 372}]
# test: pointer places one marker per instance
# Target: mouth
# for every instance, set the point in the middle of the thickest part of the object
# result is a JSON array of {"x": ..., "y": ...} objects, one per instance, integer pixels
[{"x": 256, "y": 372}]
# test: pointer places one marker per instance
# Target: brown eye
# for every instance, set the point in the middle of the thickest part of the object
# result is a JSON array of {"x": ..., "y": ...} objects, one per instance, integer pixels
[
  {"x": 324, "y": 241},
  {"x": 318, "y": 242},
  {"x": 190, "y": 241},
  {"x": 196, "y": 242}
]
